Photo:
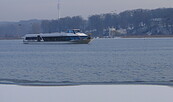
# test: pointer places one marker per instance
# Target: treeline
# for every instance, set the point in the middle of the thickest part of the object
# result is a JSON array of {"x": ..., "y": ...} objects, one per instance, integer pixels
[
  {"x": 19, "y": 29},
  {"x": 131, "y": 22}
]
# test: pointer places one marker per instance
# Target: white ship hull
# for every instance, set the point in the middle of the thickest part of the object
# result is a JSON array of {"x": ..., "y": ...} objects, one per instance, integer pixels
[
  {"x": 59, "y": 42},
  {"x": 53, "y": 38}
]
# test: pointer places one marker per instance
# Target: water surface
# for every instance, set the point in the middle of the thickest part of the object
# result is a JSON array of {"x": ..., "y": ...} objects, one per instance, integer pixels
[{"x": 103, "y": 61}]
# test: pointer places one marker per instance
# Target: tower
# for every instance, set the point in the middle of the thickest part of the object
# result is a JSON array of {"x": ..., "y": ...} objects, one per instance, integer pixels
[{"x": 58, "y": 7}]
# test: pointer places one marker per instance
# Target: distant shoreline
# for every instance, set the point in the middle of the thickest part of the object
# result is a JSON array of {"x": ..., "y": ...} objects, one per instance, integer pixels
[
  {"x": 128, "y": 36},
  {"x": 148, "y": 36},
  {"x": 10, "y": 38}
]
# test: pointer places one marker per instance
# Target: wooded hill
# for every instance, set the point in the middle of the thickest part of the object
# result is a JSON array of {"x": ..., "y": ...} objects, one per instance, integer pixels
[{"x": 132, "y": 22}]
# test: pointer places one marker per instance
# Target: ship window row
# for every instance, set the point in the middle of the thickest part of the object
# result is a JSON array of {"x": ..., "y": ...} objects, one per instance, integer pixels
[
  {"x": 56, "y": 38},
  {"x": 31, "y": 38},
  {"x": 59, "y": 38}
]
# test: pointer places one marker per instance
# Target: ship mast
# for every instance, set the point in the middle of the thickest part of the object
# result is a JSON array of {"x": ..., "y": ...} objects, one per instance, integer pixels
[{"x": 58, "y": 7}]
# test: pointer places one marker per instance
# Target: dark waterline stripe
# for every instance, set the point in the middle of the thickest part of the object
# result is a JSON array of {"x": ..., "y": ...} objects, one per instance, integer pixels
[{"x": 68, "y": 83}]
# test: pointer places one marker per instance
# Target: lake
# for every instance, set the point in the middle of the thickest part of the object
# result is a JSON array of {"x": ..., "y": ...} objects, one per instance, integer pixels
[{"x": 103, "y": 61}]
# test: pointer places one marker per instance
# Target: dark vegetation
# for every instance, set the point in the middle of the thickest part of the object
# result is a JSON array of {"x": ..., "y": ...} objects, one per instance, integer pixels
[{"x": 139, "y": 22}]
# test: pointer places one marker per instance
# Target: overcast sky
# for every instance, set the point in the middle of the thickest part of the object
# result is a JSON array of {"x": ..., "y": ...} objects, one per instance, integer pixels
[{"x": 15, "y": 10}]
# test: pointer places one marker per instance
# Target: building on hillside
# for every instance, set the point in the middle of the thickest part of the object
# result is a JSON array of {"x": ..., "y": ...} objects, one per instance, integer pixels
[{"x": 113, "y": 32}]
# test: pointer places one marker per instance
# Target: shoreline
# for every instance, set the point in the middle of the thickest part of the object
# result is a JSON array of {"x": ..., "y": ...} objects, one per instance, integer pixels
[
  {"x": 129, "y": 36},
  {"x": 148, "y": 36},
  {"x": 10, "y": 38}
]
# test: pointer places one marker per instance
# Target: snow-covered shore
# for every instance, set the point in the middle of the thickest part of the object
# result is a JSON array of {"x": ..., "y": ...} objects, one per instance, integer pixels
[{"x": 86, "y": 93}]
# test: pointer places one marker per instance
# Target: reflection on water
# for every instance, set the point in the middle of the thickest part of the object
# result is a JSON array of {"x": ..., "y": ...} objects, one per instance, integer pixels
[{"x": 104, "y": 61}]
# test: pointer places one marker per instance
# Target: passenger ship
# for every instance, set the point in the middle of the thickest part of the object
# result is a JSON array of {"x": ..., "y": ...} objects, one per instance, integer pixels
[{"x": 71, "y": 36}]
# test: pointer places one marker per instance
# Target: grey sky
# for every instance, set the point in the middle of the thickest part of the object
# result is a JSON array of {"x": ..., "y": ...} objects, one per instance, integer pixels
[{"x": 15, "y": 10}]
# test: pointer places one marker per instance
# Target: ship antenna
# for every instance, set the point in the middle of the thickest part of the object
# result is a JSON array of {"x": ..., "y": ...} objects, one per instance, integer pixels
[{"x": 58, "y": 7}]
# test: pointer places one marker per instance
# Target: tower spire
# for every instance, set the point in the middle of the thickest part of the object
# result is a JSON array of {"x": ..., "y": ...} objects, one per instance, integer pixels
[{"x": 58, "y": 7}]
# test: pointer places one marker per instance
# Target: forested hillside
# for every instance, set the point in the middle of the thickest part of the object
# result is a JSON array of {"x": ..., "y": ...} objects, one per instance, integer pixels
[{"x": 131, "y": 22}]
